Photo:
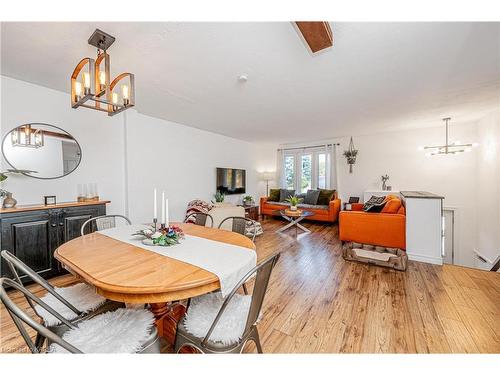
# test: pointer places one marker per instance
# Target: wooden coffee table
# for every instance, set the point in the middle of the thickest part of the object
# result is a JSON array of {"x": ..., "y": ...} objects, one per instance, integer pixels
[{"x": 294, "y": 218}]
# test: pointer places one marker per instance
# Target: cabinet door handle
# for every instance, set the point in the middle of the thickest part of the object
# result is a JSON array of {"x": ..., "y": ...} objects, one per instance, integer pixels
[{"x": 53, "y": 225}]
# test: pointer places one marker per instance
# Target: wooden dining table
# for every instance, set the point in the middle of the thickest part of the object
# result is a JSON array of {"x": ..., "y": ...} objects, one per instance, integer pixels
[{"x": 126, "y": 273}]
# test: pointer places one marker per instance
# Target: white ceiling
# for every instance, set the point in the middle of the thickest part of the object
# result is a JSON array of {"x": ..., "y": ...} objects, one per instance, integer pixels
[{"x": 377, "y": 76}]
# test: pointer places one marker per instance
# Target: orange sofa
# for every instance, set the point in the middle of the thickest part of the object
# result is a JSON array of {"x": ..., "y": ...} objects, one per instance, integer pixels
[
  {"x": 328, "y": 213},
  {"x": 387, "y": 228}
]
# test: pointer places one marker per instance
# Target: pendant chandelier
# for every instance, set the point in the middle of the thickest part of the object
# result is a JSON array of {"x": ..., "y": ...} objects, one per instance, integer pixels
[
  {"x": 26, "y": 136},
  {"x": 448, "y": 148},
  {"x": 91, "y": 85}
]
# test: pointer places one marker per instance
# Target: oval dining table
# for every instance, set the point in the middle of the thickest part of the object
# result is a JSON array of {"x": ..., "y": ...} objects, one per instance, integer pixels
[{"x": 126, "y": 273}]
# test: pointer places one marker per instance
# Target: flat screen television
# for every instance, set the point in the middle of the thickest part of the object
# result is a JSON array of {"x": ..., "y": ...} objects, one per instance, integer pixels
[{"x": 231, "y": 181}]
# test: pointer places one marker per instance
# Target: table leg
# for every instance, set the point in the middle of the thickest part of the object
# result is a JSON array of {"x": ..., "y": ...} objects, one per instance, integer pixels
[
  {"x": 293, "y": 222},
  {"x": 290, "y": 224},
  {"x": 301, "y": 226},
  {"x": 167, "y": 315}
]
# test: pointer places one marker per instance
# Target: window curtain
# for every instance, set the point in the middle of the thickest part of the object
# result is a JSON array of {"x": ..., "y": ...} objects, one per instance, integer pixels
[
  {"x": 280, "y": 165},
  {"x": 332, "y": 167}
]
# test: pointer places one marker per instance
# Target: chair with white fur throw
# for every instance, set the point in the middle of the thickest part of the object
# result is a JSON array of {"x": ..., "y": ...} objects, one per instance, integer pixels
[
  {"x": 73, "y": 302},
  {"x": 119, "y": 331},
  {"x": 216, "y": 325}
]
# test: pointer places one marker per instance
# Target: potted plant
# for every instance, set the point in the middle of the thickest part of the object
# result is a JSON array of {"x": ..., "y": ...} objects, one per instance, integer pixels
[
  {"x": 294, "y": 201},
  {"x": 350, "y": 154},
  {"x": 219, "y": 196},
  {"x": 247, "y": 200}
]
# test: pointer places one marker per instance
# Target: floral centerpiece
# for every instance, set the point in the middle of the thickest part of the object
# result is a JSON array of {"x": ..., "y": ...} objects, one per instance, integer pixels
[{"x": 166, "y": 236}]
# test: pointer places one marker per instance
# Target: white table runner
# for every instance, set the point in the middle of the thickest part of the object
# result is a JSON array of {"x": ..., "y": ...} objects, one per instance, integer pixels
[{"x": 229, "y": 262}]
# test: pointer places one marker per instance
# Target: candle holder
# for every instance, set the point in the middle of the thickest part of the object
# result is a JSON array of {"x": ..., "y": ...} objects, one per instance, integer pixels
[{"x": 155, "y": 221}]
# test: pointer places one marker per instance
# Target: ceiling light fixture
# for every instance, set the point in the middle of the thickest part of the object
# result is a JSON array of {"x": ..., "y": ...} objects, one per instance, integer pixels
[
  {"x": 448, "y": 148},
  {"x": 26, "y": 136},
  {"x": 90, "y": 82}
]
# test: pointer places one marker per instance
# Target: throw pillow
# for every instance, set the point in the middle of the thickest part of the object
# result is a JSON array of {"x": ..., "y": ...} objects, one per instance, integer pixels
[
  {"x": 391, "y": 206},
  {"x": 374, "y": 204},
  {"x": 311, "y": 197},
  {"x": 274, "y": 195},
  {"x": 325, "y": 196},
  {"x": 285, "y": 194}
]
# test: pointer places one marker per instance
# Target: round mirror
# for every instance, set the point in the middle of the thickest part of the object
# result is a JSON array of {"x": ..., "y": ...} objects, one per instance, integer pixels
[{"x": 41, "y": 151}]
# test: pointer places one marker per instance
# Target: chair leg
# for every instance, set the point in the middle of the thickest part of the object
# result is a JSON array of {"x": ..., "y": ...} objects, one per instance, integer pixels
[
  {"x": 39, "y": 340},
  {"x": 256, "y": 339}
]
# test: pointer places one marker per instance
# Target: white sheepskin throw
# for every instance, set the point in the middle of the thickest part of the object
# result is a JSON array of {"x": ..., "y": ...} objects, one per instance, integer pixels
[
  {"x": 82, "y": 296},
  {"x": 231, "y": 326},
  {"x": 119, "y": 331}
]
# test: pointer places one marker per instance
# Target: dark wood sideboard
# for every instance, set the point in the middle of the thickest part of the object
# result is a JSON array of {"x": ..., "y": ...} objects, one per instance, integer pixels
[{"x": 33, "y": 233}]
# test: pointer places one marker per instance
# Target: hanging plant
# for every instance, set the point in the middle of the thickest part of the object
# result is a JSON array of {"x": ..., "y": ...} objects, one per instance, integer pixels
[{"x": 350, "y": 155}]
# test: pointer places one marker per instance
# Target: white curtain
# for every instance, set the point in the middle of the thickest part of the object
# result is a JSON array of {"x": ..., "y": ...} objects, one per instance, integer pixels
[
  {"x": 332, "y": 167},
  {"x": 280, "y": 163}
]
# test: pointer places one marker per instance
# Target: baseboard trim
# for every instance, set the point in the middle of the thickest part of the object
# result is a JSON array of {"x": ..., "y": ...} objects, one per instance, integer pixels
[{"x": 425, "y": 259}]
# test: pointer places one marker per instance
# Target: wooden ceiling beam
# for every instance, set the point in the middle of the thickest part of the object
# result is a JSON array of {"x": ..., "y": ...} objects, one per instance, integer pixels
[{"x": 318, "y": 35}]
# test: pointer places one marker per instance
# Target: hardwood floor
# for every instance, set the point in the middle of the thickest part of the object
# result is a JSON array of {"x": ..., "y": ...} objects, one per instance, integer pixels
[{"x": 319, "y": 303}]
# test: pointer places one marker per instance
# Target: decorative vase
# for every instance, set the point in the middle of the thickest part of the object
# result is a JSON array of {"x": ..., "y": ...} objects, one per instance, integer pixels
[
  {"x": 9, "y": 202},
  {"x": 293, "y": 208}
]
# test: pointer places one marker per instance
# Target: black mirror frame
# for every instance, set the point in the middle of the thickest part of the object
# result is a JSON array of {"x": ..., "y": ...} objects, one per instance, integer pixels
[{"x": 30, "y": 175}]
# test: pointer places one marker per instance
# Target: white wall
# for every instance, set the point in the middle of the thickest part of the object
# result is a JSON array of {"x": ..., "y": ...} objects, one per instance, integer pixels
[
  {"x": 397, "y": 154},
  {"x": 99, "y": 136},
  {"x": 487, "y": 186},
  {"x": 126, "y": 155},
  {"x": 465, "y": 180},
  {"x": 182, "y": 161}
]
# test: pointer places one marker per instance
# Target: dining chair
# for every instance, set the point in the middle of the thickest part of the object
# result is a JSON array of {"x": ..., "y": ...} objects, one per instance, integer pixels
[
  {"x": 119, "y": 331},
  {"x": 72, "y": 302},
  {"x": 240, "y": 225},
  {"x": 236, "y": 319},
  {"x": 199, "y": 218},
  {"x": 104, "y": 222}
]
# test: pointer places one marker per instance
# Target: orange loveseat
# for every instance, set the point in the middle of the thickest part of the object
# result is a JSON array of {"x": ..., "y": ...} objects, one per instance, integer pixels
[
  {"x": 328, "y": 213},
  {"x": 387, "y": 228}
]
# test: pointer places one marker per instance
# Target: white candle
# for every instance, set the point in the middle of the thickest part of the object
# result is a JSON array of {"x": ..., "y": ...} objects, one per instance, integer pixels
[
  {"x": 162, "y": 207},
  {"x": 166, "y": 213},
  {"x": 155, "y": 214}
]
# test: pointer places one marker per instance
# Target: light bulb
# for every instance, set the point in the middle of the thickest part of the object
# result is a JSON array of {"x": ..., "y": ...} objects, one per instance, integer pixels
[
  {"x": 114, "y": 98},
  {"x": 102, "y": 78},
  {"x": 78, "y": 88},
  {"x": 86, "y": 80},
  {"x": 125, "y": 92}
]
